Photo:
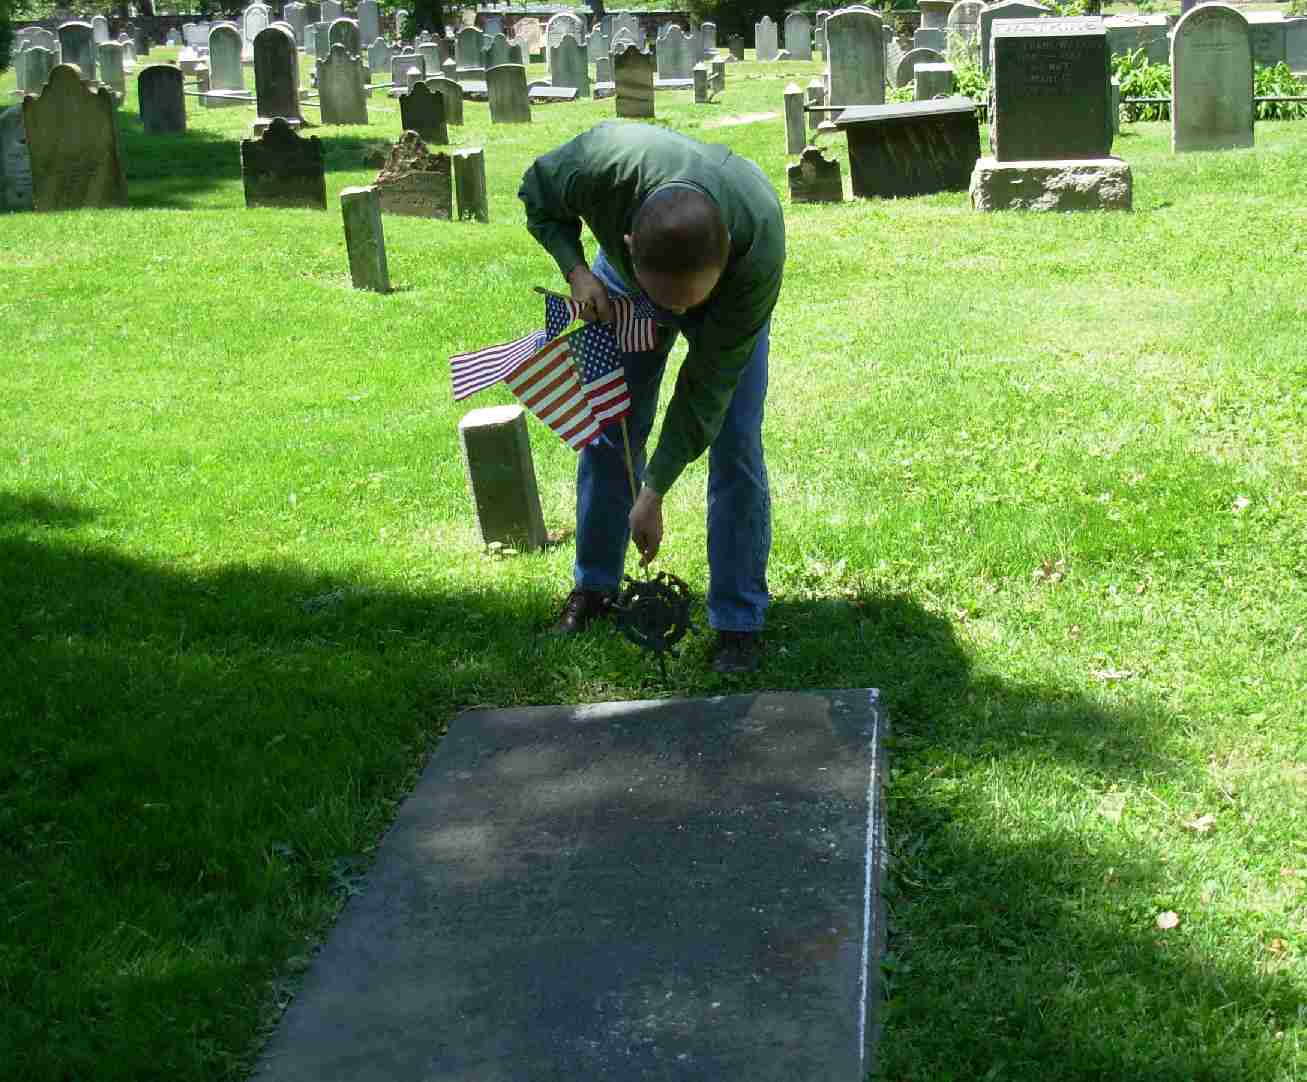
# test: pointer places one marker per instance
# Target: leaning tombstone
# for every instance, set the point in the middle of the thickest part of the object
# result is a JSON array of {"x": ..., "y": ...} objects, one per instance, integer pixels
[
  {"x": 501, "y": 477},
  {"x": 72, "y": 137},
  {"x": 15, "y": 161},
  {"x": 341, "y": 85},
  {"x": 161, "y": 96},
  {"x": 226, "y": 72},
  {"x": 282, "y": 169},
  {"x": 855, "y": 44},
  {"x": 506, "y": 88},
  {"x": 764, "y": 39},
  {"x": 276, "y": 80},
  {"x": 798, "y": 36},
  {"x": 77, "y": 46},
  {"x": 813, "y": 179},
  {"x": 414, "y": 182},
  {"x": 345, "y": 32},
  {"x": 911, "y": 148},
  {"x": 452, "y": 92},
  {"x": 633, "y": 71},
  {"x": 932, "y": 81},
  {"x": 567, "y": 66},
  {"x": 1211, "y": 80},
  {"x": 422, "y": 110},
  {"x": 795, "y": 136},
  {"x": 470, "y": 183},
  {"x": 1007, "y": 9}
]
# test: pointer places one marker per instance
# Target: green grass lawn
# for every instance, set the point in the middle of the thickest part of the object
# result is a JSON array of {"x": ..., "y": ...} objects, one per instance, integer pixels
[{"x": 1041, "y": 479}]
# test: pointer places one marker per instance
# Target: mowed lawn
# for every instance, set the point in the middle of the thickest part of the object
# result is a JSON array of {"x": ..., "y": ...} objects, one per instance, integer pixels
[{"x": 1040, "y": 479}]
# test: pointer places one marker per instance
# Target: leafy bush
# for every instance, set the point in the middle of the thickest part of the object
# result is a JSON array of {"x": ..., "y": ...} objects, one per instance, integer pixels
[
  {"x": 968, "y": 75},
  {"x": 1140, "y": 79},
  {"x": 1279, "y": 82}
]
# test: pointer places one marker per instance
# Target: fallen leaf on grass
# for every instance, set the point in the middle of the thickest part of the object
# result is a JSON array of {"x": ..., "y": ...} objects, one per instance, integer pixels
[
  {"x": 1168, "y": 920},
  {"x": 1240, "y": 504},
  {"x": 1111, "y": 674},
  {"x": 1201, "y": 825}
]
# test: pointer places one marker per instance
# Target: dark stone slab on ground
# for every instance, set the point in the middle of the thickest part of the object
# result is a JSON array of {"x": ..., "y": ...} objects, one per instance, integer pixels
[
  {"x": 911, "y": 148},
  {"x": 678, "y": 889}
]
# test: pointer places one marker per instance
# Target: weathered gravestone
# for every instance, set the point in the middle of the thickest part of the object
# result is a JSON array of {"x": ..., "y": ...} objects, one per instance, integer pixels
[
  {"x": 369, "y": 13},
  {"x": 494, "y": 51},
  {"x": 675, "y": 57},
  {"x": 765, "y": 45},
  {"x": 735, "y": 46},
  {"x": 1008, "y": 9},
  {"x": 468, "y": 44},
  {"x": 345, "y": 32},
  {"x": 77, "y": 46},
  {"x": 276, "y": 79},
  {"x": 15, "y": 161},
  {"x": 964, "y": 24},
  {"x": 1126, "y": 33},
  {"x": 568, "y": 67},
  {"x": 401, "y": 19},
  {"x": 452, "y": 93},
  {"x": 673, "y": 889},
  {"x": 422, "y": 110},
  {"x": 931, "y": 39},
  {"x": 414, "y": 182},
  {"x": 160, "y": 92},
  {"x": 341, "y": 88},
  {"x": 933, "y": 81},
  {"x": 795, "y": 129},
  {"x": 281, "y": 169},
  {"x": 226, "y": 73},
  {"x": 1051, "y": 91},
  {"x": 633, "y": 71},
  {"x": 34, "y": 65},
  {"x": 934, "y": 13},
  {"x": 815, "y": 94},
  {"x": 1211, "y": 80},
  {"x": 379, "y": 56},
  {"x": 708, "y": 36},
  {"x": 330, "y": 11},
  {"x": 813, "y": 179},
  {"x": 597, "y": 47},
  {"x": 559, "y": 26},
  {"x": 432, "y": 56},
  {"x": 855, "y": 42},
  {"x": 1268, "y": 31},
  {"x": 72, "y": 137},
  {"x": 400, "y": 63},
  {"x": 257, "y": 18},
  {"x": 798, "y": 36},
  {"x": 321, "y": 40},
  {"x": 1295, "y": 45},
  {"x": 907, "y": 65},
  {"x": 506, "y": 88},
  {"x": 628, "y": 23},
  {"x": 530, "y": 33},
  {"x": 470, "y": 183},
  {"x": 913, "y": 148},
  {"x": 99, "y": 29},
  {"x": 298, "y": 17}
]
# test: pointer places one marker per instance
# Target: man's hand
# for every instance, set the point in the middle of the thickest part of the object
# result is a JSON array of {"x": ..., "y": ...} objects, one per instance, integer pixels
[
  {"x": 590, "y": 294},
  {"x": 647, "y": 524}
]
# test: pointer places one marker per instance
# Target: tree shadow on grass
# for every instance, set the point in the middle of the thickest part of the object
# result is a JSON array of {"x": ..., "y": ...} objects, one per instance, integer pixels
[{"x": 188, "y": 755}]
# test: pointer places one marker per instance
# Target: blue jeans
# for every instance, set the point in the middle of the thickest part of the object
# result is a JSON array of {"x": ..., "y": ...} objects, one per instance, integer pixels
[{"x": 739, "y": 500}]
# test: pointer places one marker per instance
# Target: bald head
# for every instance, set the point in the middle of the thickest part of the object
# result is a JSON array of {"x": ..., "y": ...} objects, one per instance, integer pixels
[{"x": 679, "y": 231}]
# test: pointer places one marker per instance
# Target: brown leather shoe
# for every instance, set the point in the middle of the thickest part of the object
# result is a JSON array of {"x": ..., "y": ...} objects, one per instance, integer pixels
[
  {"x": 583, "y": 607},
  {"x": 737, "y": 652}
]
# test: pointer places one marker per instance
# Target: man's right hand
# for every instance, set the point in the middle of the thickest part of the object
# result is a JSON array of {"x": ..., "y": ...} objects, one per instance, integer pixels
[{"x": 590, "y": 294}]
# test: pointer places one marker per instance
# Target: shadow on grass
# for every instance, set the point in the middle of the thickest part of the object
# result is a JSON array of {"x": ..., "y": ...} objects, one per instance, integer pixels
[
  {"x": 173, "y": 170},
  {"x": 187, "y": 757}
]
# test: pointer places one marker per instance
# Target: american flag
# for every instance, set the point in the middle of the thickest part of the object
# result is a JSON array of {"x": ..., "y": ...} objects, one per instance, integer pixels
[{"x": 575, "y": 384}]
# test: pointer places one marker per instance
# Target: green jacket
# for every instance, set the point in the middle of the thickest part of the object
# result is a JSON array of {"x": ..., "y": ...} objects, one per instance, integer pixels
[{"x": 601, "y": 177}]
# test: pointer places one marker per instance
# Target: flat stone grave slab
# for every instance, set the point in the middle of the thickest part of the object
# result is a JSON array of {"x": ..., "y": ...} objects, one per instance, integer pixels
[
  {"x": 673, "y": 84},
  {"x": 676, "y": 889},
  {"x": 911, "y": 148}
]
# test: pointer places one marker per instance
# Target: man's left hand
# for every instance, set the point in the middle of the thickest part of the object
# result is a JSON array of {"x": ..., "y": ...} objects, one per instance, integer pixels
[{"x": 647, "y": 524}]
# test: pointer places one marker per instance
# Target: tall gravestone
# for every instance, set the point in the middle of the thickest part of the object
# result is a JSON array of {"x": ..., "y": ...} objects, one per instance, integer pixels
[
  {"x": 72, "y": 137},
  {"x": 281, "y": 169},
  {"x": 709, "y": 39},
  {"x": 298, "y": 16},
  {"x": 560, "y": 25},
  {"x": 35, "y": 64},
  {"x": 379, "y": 55},
  {"x": 345, "y": 32},
  {"x": 633, "y": 72},
  {"x": 494, "y": 51},
  {"x": 1051, "y": 90},
  {"x": 160, "y": 93},
  {"x": 422, "y": 110},
  {"x": 1211, "y": 80},
  {"x": 855, "y": 44},
  {"x": 15, "y": 161},
  {"x": 963, "y": 25},
  {"x": 226, "y": 73},
  {"x": 401, "y": 18},
  {"x": 468, "y": 44},
  {"x": 568, "y": 67},
  {"x": 330, "y": 11},
  {"x": 530, "y": 33},
  {"x": 369, "y": 13},
  {"x": 1008, "y": 9},
  {"x": 765, "y": 44},
  {"x": 798, "y": 36},
  {"x": 506, "y": 88},
  {"x": 452, "y": 92},
  {"x": 258, "y": 17},
  {"x": 341, "y": 91},
  {"x": 675, "y": 57},
  {"x": 628, "y": 23},
  {"x": 99, "y": 29},
  {"x": 276, "y": 79},
  {"x": 1268, "y": 32},
  {"x": 77, "y": 46},
  {"x": 470, "y": 183},
  {"x": 597, "y": 47}
]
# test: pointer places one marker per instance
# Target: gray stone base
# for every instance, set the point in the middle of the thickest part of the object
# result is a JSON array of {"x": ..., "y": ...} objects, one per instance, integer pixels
[{"x": 1094, "y": 184}]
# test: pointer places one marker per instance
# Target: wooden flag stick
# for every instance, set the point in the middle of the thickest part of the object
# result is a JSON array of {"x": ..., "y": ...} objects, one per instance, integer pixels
[{"x": 630, "y": 469}]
